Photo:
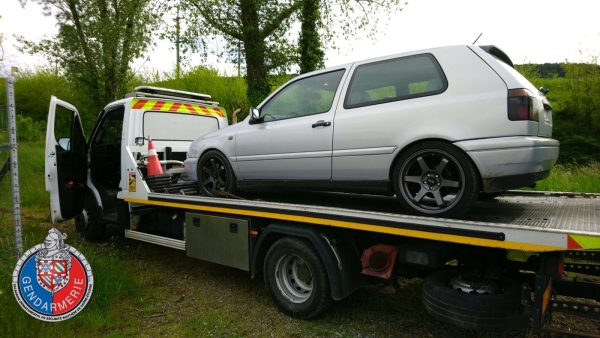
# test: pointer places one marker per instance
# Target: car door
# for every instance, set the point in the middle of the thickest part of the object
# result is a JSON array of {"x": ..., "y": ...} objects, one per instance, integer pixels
[
  {"x": 292, "y": 139},
  {"x": 65, "y": 161}
]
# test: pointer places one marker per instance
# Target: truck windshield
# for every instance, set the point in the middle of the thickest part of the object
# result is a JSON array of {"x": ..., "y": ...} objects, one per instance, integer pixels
[{"x": 177, "y": 126}]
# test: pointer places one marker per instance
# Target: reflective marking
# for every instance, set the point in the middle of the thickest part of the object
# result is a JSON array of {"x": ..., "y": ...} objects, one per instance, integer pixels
[
  {"x": 362, "y": 226},
  {"x": 583, "y": 242}
]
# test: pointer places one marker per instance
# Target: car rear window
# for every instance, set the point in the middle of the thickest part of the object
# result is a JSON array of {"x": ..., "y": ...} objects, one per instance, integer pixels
[
  {"x": 177, "y": 127},
  {"x": 394, "y": 80}
]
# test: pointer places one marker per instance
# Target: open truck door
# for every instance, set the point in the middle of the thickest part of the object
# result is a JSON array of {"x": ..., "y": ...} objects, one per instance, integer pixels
[{"x": 66, "y": 169}]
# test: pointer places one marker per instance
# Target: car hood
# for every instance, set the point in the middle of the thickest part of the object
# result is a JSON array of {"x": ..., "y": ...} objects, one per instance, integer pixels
[{"x": 201, "y": 143}]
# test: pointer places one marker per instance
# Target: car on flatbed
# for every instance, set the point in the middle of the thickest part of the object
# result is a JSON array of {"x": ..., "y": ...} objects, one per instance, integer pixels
[{"x": 435, "y": 127}]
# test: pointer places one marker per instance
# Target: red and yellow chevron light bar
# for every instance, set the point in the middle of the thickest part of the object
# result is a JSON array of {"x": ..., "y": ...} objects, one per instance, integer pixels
[
  {"x": 174, "y": 107},
  {"x": 583, "y": 242}
]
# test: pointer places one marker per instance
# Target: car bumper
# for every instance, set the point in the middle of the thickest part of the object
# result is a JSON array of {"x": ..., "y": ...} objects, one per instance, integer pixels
[
  {"x": 511, "y": 162},
  {"x": 190, "y": 165}
]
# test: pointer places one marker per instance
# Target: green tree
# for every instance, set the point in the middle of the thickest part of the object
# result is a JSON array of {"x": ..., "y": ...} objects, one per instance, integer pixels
[
  {"x": 97, "y": 42},
  {"x": 33, "y": 88},
  {"x": 311, "y": 51},
  {"x": 256, "y": 28},
  {"x": 261, "y": 30}
]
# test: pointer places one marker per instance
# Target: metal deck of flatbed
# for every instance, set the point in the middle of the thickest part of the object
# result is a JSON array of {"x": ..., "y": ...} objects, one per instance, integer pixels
[{"x": 525, "y": 221}]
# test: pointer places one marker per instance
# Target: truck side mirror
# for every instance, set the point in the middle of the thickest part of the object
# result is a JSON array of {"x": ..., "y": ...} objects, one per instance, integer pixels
[{"x": 65, "y": 143}]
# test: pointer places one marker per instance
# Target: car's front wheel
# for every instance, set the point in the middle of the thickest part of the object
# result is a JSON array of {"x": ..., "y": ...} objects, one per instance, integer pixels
[
  {"x": 215, "y": 174},
  {"x": 435, "y": 179}
]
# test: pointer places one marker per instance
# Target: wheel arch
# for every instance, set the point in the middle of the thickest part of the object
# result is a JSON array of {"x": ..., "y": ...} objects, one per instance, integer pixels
[
  {"x": 344, "y": 277},
  {"x": 410, "y": 145}
]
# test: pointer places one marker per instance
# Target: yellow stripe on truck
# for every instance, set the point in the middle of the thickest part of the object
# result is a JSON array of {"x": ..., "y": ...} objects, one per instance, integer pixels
[{"x": 361, "y": 226}]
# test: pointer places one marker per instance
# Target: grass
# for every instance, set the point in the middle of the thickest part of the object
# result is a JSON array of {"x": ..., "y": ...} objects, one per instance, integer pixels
[
  {"x": 114, "y": 282},
  {"x": 145, "y": 290},
  {"x": 572, "y": 178}
]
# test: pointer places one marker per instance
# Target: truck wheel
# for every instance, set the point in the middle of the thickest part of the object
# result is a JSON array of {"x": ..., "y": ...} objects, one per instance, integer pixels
[
  {"x": 435, "y": 179},
  {"x": 484, "y": 312},
  {"x": 296, "y": 278},
  {"x": 215, "y": 174},
  {"x": 89, "y": 228}
]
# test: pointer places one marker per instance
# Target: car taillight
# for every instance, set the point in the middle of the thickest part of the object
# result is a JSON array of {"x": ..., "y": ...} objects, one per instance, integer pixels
[{"x": 521, "y": 105}]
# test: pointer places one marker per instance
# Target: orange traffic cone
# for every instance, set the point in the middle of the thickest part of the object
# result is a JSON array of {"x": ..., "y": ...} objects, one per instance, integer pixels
[{"x": 154, "y": 167}]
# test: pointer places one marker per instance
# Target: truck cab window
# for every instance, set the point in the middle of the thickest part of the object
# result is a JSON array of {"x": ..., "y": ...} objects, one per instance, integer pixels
[
  {"x": 62, "y": 126},
  {"x": 105, "y": 152},
  {"x": 111, "y": 128}
]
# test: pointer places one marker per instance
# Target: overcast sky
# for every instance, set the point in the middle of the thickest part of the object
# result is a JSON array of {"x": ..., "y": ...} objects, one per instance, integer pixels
[{"x": 535, "y": 31}]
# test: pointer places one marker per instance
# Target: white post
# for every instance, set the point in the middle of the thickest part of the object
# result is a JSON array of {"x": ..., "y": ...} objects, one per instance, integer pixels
[{"x": 14, "y": 163}]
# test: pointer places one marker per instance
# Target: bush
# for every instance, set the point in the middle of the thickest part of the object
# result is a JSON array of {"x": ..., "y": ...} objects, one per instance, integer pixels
[
  {"x": 574, "y": 95},
  {"x": 230, "y": 92},
  {"x": 30, "y": 130}
]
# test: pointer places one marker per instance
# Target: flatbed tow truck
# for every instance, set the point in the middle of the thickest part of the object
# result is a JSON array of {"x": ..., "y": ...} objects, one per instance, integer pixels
[{"x": 315, "y": 248}]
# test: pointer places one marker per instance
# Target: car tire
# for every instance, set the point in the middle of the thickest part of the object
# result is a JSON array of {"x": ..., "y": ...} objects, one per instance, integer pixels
[
  {"x": 215, "y": 174},
  {"x": 489, "y": 196},
  {"x": 498, "y": 312},
  {"x": 435, "y": 179},
  {"x": 296, "y": 278}
]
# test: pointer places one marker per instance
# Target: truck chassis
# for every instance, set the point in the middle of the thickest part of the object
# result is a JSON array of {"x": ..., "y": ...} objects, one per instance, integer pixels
[{"x": 559, "y": 232}]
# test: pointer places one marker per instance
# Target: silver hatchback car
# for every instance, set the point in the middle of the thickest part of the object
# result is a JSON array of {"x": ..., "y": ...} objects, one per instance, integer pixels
[{"x": 434, "y": 127}]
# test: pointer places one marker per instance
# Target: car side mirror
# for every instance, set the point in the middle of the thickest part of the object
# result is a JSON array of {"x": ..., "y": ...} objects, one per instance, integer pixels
[{"x": 254, "y": 114}]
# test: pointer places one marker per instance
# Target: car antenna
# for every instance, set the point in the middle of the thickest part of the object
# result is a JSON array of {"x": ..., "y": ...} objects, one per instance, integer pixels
[{"x": 480, "y": 34}]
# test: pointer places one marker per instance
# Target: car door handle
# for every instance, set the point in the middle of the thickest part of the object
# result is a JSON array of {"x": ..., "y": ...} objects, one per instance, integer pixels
[{"x": 321, "y": 124}]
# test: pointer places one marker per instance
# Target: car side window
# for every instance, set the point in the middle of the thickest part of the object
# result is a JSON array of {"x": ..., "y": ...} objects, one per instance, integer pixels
[
  {"x": 394, "y": 80},
  {"x": 308, "y": 96}
]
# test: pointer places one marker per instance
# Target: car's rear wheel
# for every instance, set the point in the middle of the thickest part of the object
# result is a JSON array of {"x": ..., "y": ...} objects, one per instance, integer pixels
[
  {"x": 435, "y": 179},
  {"x": 489, "y": 196},
  {"x": 215, "y": 174}
]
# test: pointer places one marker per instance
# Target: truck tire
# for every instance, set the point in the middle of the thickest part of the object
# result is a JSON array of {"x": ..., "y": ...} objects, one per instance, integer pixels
[
  {"x": 89, "y": 228},
  {"x": 435, "y": 179},
  {"x": 215, "y": 174},
  {"x": 499, "y": 312},
  {"x": 296, "y": 278}
]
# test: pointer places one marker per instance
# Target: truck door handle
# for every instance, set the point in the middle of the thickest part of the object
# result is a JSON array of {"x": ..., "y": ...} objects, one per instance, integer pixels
[{"x": 321, "y": 124}]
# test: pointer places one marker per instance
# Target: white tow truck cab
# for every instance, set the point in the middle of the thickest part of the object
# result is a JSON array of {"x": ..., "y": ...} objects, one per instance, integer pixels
[
  {"x": 111, "y": 166},
  {"x": 316, "y": 248}
]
